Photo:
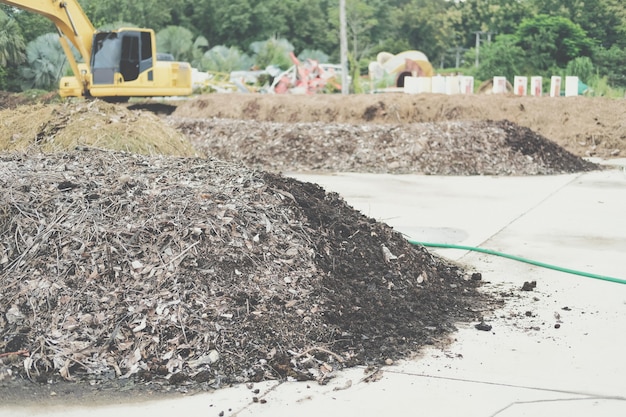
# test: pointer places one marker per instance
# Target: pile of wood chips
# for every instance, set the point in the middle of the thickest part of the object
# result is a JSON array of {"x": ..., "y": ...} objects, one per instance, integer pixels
[
  {"x": 196, "y": 271},
  {"x": 442, "y": 148}
]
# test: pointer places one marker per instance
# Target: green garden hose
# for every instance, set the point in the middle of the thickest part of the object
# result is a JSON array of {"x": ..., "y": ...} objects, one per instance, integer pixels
[{"x": 520, "y": 259}]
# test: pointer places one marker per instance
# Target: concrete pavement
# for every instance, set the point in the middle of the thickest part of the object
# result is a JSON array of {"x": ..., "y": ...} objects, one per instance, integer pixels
[{"x": 556, "y": 350}]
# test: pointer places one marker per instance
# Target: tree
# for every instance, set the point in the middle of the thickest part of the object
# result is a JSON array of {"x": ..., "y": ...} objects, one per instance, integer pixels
[
  {"x": 610, "y": 63},
  {"x": 31, "y": 24},
  {"x": 359, "y": 21},
  {"x": 176, "y": 40},
  {"x": 316, "y": 55},
  {"x": 602, "y": 20},
  {"x": 500, "y": 58},
  {"x": 46, "y": 63},
  {"x": 499, "y": 17},
  {"x": 151, "y": 14},
  {"x": 423, "y": 23},
  {"x": 12, "y": 44},
  {"x": 224, "y": 59},
  {"x": 273, "y": 51},
  {"x": 581, "y": 67},
  {"x": 552, "y": 40}
]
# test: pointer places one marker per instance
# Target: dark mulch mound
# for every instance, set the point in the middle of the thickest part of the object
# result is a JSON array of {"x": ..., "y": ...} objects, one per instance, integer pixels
[{"x": 201, "y": 272}]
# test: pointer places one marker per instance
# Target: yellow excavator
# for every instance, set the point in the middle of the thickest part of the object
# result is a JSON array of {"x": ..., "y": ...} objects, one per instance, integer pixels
[{"x": 115, "y": 65}]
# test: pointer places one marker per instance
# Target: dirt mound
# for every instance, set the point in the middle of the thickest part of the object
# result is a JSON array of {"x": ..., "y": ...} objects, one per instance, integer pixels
[
  {"x": 444, "y": 148},
  {"x": 61, "y": 127},
  {"x": 14, "y": 100},
  {"x": 584, "y": 126},
  {"x": 200, "y": 271}
]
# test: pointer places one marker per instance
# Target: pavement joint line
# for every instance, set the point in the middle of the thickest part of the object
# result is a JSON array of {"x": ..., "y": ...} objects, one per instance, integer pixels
[
  {"x": 525, "y": 212},
  {"x": 500, "y": 384},
  {"x": 552, "y": 400}
]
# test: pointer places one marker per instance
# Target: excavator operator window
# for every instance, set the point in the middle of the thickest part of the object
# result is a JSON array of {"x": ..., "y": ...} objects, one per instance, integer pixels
[
  {"x": 106, "y": 57},
  {"x": 146, "y": 52},
  {"x": 129, "y": 64}
]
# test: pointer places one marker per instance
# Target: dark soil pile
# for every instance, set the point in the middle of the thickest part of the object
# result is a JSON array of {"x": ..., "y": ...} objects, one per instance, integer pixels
[
  {"x": 194, "y": 271},
  {"x": 444, "y": 148}
]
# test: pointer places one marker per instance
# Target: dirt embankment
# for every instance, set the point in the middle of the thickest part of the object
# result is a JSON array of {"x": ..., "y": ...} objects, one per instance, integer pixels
[{"x": 582, "y": 125}]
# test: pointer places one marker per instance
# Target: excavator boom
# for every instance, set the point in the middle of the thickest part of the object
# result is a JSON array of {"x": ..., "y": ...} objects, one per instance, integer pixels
[
  {"x": 69, "y": 18},
  {"x": 120, "y": 63}
]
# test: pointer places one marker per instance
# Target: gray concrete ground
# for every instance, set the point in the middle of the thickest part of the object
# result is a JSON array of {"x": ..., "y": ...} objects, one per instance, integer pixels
[{"x": 557, "y": 350}]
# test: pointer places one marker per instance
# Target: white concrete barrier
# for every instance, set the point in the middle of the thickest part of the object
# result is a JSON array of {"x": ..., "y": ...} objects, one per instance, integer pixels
[
  {"x": 571, "y": 86},
  {"x": 555, "y": 86},
  {"x": 452, "y": 85},
  {"x": 536, "y": 86},
  {"x": 499, "y": 85},
  {"x": 466, "y": 83},
  {"x": 462, "y": 84},
  {"x": 438, "y": 85},
  {"x": 417, "y": 85},
  {"x": 411, "y": 85},
  {"x": 520, "y": 85}
]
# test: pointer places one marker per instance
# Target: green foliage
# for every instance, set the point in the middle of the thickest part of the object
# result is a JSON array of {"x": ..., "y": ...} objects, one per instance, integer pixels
[
  {"x": 273, "y": 51},
  {"x": 552, "y": 39},
  {"x": 12, "y": 44},
  {"x": 601, "y": 87},
  {"x": 610, "y": 63},
  {"x": 581, "y": 67},
  {"x": 223, "y": 59},
  {"x": 426, "y": 27},
  {"x": 3, "y": 79},
  {"x": 554, "y": 32},
  {"x": 46, "y": 63},
  {"x": 116, "y": 25},
  {"x": 145, "y": 13},
  {"x": 175, "y": 40},
  {"x": 500, "y": 58},
  {"x": 316, "y": 55},
  {"x": 31, "y": 25},
  {"x": 198, "y": 49},
  {"x": 602, "y": 20}
]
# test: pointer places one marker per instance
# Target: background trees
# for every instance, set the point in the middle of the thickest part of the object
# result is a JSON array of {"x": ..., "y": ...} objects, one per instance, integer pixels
[{"x": 530, "y": 36}]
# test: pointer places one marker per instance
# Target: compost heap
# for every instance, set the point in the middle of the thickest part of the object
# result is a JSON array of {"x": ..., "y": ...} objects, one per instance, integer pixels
[
  {"x": 120, "y": 265},
  {"x": 199, "y": 271}
]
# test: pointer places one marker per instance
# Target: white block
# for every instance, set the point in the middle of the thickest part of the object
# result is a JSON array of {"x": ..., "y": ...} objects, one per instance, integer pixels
[
  {"x": 536, "y": 86},
  {"x": 555, "y": 86},
  {"x": 452, "y": 85},
  {"x": 467, "y": 84},
  {"x": 411, "y": 85},
  {"x": 520, "y": 85},
  {"x": 425, "y": 84},
  {"x": 571, "y": 86},
  {"x": 499, "y": 85},
  {"x": 439, "y": 85}
]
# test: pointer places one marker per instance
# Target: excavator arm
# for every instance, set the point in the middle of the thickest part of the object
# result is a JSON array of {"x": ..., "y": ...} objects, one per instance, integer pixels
[
  {"x": 69, "y": 18},
  {"x": 72, "y": 24}
]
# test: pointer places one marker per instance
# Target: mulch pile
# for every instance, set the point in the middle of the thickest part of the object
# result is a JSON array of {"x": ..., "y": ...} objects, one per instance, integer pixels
[
  {"x": 443, "y": 148},
  {"x": 204, "y": 271},
  {"x": 198, "y": 271}
]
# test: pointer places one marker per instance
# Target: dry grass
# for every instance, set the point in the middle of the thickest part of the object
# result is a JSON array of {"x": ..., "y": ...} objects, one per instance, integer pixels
[{"x": 94, "y": 124}]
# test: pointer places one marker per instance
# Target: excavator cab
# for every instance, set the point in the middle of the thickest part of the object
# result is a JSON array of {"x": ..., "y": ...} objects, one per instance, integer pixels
[
  {"x": 127, "y": 53},
  {"x": 124, "y": 64}
]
